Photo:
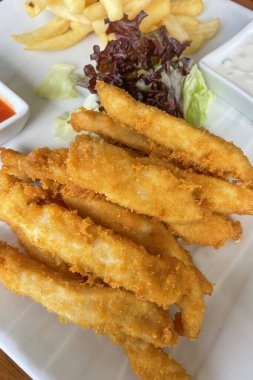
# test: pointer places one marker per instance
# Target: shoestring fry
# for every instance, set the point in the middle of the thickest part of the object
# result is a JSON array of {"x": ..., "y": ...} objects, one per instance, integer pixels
[{"x": 75, "y": 19}]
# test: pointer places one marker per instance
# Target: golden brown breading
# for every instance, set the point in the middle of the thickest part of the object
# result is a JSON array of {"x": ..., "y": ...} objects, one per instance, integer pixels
[
  {"x": 11, "y": 161},
  {"x": 86, "y": 247},
  {"x": 101, "y": 124},
  {"x": 146, "y": 189},
  {"x": 120, "y": 315},
  {"x": 191, "y": 146},
  {"x": 101, "y": 308},
  {"x": 221, "y": 196},
  {"x": 151, "y": 234},
  {"x": 150, "y": 363},
  {"x": 214, "y": 230}
]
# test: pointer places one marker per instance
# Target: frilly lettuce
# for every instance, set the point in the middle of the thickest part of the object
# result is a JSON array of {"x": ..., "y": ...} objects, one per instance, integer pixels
[
  {"x": 196, "y": 98},
  {"x": 63, "y": 130},
  {"x": 59, "y": 83}
]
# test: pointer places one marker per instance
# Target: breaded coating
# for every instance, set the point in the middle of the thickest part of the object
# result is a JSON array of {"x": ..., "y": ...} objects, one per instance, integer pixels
[
  {"x": 148, "y": 362},
  {"x": 151, "y": 234},
  {"x": 191, "y": 146},
  {"x": 221, "y": 196},
  {"x": 128, "y": 321},
  {"x": 86, "y": 247},
  {"x": 11, "y": 161},
  {"x": 101, "y": 124},
  {"x": 146, "y": 189},
  {"x": 101, "y": 308},
  {"x": 48, "y": 166},
  {"x": 117, "y": 133},
  {"x": 214, "y": 230}
]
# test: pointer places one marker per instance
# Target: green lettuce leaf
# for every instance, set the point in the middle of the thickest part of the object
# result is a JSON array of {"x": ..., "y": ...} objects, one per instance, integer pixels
[
  {"x": 63, "y": 131},
  {"x": 196, "y": 98},
  {"x": 59, "y": 83}
]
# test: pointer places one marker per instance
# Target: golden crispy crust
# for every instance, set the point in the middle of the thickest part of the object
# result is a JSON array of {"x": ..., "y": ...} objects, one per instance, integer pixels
[
  {"x": 128, "y": 321},
  {"x": 191, "y": 146},
  {"x": 101, "y": 124},
  {"x": 221, "y": 196},
  {"x": 11, "y": 163},
  {"x": 146, "y": 189},
  {"x": 214, "y": 230},
  {"x": 151, "y": 234},
  {"x": 150, "y": 363},
  {"x": 101, "y": 308},
  {"x": 86, "y": 247}
]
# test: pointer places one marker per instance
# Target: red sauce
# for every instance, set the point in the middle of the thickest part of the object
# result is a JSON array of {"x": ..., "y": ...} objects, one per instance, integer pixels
[{"x": 5, "y": 111}]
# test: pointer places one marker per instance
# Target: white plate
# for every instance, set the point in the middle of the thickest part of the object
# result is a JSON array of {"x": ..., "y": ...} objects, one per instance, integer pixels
[{"x": 46, "y": 349}]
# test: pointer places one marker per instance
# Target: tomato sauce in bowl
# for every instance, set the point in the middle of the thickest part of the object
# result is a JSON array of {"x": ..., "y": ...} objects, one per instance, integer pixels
[{"x": 6, "y": 111}]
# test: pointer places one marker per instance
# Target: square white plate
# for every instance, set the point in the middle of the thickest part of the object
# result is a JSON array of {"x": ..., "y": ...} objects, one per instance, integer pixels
[{"x": 46, "y": 349}]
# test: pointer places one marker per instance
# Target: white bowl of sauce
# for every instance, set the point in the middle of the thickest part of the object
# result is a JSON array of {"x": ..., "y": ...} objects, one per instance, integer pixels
[
  {"x": 228, "y": 71},
  {"x": 14, "y": 113}
]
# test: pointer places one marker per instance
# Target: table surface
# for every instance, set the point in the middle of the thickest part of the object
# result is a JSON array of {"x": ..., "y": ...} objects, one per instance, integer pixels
[
  {"x": 8, "y": 369},
  {"x": 246, "y": 3}
]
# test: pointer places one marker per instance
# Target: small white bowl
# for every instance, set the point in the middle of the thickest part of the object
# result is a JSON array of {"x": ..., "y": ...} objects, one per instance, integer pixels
[
  {"x": 13, "y": 125},
  {"x": 221, "y": 85}
]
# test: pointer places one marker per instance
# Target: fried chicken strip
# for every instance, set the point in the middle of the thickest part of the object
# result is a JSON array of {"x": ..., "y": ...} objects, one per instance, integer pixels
[
  {"x": 86, "y": 247},
  {"x": 120, "y": 316},
  {"x": 49, "y": 167},
  {"x": 151, "y": 234},
  {"x": 221, "y": 196},
  {"x": 146, "y": 189},
  {"x": 11, "y": 163},
  {"x": 193, "y": 147},
  {"x": 214, "y": 230},
  {"x": 148, "y": 362},
  {"x": 101, "y": 308},
  {"x": 101, "y": 124}
]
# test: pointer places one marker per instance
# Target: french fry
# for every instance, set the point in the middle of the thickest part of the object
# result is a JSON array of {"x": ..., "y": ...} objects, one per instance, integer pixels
[
  {"x": 156, "y": 12},
  {"x": 75, "y": 6},
  {"x": 113, "y": 9},
  {"x": 89, "y": 2},
  {"x": 53, "y": 29},
  {"x": 187, "y": 7},
  {"x": 34, "y": 7},
  {"x": 77, "y": 33},
  {"x": 207, "y": 29},
  {"x": 197, "y": 41},
  {"x": 99, "y": 28},
  {"x": 58, "y": 8},
  {"x": 175, "y": 29},
  {"x": 95, "y": 11},
  {"x": 186, "y": 20},
  {"x": 133, "y": 7}
]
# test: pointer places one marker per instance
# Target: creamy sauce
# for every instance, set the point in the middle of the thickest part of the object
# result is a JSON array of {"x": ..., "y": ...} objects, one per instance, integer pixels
[{"x": 238, "y": 65}]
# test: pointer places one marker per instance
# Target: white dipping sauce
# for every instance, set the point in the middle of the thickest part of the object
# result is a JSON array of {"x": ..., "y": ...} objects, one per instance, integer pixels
[{"x": 237, "y": 66}]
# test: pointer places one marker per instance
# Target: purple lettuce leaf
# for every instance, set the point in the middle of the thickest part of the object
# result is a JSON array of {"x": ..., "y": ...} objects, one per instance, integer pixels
[{"x": 147, "y": 65}]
